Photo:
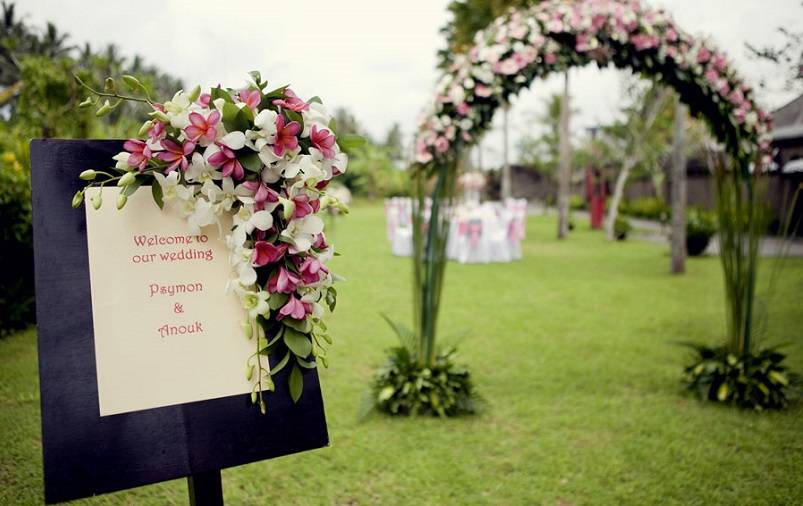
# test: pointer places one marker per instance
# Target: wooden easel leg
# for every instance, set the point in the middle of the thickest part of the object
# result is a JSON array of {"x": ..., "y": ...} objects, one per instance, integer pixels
[{"x": 206, "y": 489}]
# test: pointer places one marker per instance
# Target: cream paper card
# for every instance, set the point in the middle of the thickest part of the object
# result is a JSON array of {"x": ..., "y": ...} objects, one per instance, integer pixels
[{"x": 166, "y": 331}]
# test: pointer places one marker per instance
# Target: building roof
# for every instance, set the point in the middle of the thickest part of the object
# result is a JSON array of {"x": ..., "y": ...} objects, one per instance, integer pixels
[{"x": 789, "y": 114}]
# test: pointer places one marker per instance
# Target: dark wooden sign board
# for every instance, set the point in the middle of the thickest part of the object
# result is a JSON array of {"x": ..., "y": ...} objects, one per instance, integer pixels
[{"x": 86, "y": 454}]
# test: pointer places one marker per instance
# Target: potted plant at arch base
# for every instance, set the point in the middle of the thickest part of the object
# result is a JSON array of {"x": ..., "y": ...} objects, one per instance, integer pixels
[
  {"x": 419, "y": 377},
  {"x": 739, "y": 372}
]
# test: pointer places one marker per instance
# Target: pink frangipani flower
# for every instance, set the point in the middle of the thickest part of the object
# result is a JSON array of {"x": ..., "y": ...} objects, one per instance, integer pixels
[
  {"x": 251, "y": 98},
  {"x": 291, "y": 101},
  {"x": 323, "y": 140},
  {"x": 304, "y": 205},
  {"x": 267, "y": 253},
  {"x": 285, "y": 136},
  {"x": 175, "y": 155},
  {"x": 203, "y": 129},
  {"x": 283, "y": 281},
  {"x": 140, "y": 153}
]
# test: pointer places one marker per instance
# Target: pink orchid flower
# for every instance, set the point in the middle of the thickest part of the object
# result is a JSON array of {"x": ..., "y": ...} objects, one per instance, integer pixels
[
  {"x": 304, "y": 205},
  {"x": 291, "y": 101},
  {"x": 294, "y": 308},
  {"x": 175, "y": 155},
  {"x": 266, "y": 253},
  {"x": 228, "y": 162},
  {"x": 203, "y": 129},
  {"x": 283, "y": 281},
  {"x": 285, "y": 136},
  {"x": 320, "y": 242},
  {"x": 323, "y": 140},
  {"x": 262, "y": 193},
  {"x": 205, "y": 99},
  {"x": 140, "y": 153},
  {"x": 311, "y": 270},
  {"x": 251, "y": 98}
]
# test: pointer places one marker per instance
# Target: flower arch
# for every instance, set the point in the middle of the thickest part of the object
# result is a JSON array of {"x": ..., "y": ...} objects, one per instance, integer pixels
[{"x": 554, "y": 35}]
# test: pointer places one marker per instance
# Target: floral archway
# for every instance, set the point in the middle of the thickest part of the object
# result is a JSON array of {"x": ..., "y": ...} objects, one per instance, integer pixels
[
  {"x": 507, "y": 57},
  {"x": 555, "y": 35}
]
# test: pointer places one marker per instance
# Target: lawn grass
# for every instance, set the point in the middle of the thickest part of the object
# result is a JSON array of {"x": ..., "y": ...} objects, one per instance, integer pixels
[{"x": 571, "y": 347}]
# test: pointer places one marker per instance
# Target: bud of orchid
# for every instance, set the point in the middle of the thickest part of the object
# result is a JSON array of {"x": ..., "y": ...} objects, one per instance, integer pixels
[
  {"x": 288, "y": 206},
  {"x": 145, "y": 127},
  {"x": 194, "y": 93},
  {"x": 77, "y": 199},
  {"x": 109, "y": 85},
  {"x": 97, "y": 201},
  {"x": 160, "y": 116},
  {"x": 88, "y": 175},
  {"x": 86, "y": 103},
  {"x": 127, "y": 179},
  {"x": 105, "y": 109},
  {"x": 121, "y": 200},
  {"x": 325, "y": 202},
  {"x": 131, "y": 81},
  {"x": 248, "y": 329}
]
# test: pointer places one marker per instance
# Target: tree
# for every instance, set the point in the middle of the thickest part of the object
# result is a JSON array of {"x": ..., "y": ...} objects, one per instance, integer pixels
[
  {"x": 788, "y": 56},
  {"x": 678, "y": 237},
  {"x": 565, "y": 169},
  {"x": 394, "y": 142},
  {"x": 642, "y": 139}
]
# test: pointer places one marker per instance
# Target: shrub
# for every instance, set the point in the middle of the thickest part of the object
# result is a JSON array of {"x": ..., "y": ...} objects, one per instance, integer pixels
[
  {"x": 753, "y": 381},
  {"x": 648, "y": 208},
  {"x": 16, "y": 250},
  {"x": 701, "y": 225},
  {"x": 402, "y": 387},
  {"x": 621, "y": 227},
  {"x": 577, "y": 203}
]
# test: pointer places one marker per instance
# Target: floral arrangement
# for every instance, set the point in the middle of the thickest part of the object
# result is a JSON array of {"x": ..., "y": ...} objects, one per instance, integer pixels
[
  {"x": 554, "y": 35},
  {"x": 256, "y": 163}
]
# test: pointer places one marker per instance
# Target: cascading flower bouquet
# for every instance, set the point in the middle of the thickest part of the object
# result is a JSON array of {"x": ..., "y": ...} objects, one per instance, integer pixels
[{"x": 256, "y": 163}]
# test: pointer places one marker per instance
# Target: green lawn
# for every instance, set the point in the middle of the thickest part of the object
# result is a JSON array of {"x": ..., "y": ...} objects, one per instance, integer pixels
[{"x": 572, "y": 348}]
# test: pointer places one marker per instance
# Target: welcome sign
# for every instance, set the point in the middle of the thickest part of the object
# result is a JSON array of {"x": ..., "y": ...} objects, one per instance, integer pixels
[
  {"x": 140, "y": 354},
  {"x": 166, "y": 329}
]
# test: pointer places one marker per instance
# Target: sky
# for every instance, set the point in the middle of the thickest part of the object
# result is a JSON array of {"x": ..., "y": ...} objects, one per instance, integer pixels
[{"x": 375, "y": 57}]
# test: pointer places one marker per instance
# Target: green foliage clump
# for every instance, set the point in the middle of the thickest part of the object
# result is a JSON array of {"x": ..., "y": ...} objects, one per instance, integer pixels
[
  {"x": 701, "y": 225},
  {"x": 403, "y": 387},
  {"x": 373, "y": 174},
  {"x": 648, "y": 208},
  {"x": 756, "y": 381}
]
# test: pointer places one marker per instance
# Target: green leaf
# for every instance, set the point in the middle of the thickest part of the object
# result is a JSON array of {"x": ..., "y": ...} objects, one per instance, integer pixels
[
  {"x": 722, "y": 393},
  {"x": 283, "y": 362},
  {"x": 386, "y": 393},
  {"x": 333, "y": 125},
  {"x": 298, "y": 343},
  {"x": 156, "y": 193},
  {"x": 256, "y": 76},
  {"x": 236, "y": 118},
  {"x": 306, "y": 364},
  {"x": 277, "y": 300},
  {"x": 277, "y": 93},
  {"x": 221, "y": 93},
  {"x": 296, "y": 383},
  {"x": 316, "y": 98},
  {"x": 251, "y": 161},
  {"x": 303, "y": 326}
]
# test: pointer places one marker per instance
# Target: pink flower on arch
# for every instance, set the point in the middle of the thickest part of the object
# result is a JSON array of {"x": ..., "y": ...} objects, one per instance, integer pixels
[
  {"x": 203, "y": 129},
  {"x": 294, "y": 308},
  {"x": 285, "y": 136},
  {"x": 305, "y": 205},
  {"x": 283, "y": 281},
  {"x": 703, "y": 55},
  {"x": 175, "y": 155},
  {"x": 266, "y": 253},
  {"x": 140, "y": 153},
  {"x": 463, "y": 109},
  {"x": 441, "y": 144},
  {"x": 323, "y": 140},
  {"x": 291, "y": 101}
]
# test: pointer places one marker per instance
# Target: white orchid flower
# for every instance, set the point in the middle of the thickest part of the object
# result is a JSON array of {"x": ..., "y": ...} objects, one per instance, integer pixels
[
  {"x": 200, "y": 171},
  {"x": 315, "y": 115},
  {"x": 301, "y": 233}
]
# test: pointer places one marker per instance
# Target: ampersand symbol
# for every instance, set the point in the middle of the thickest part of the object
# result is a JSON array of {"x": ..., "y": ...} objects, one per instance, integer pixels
[{"x": 178, "y": 308}]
